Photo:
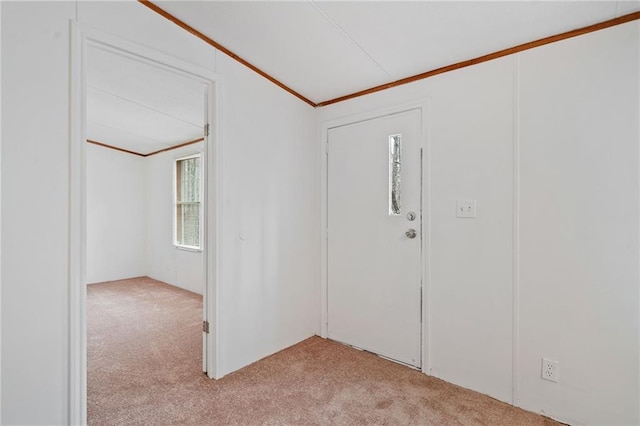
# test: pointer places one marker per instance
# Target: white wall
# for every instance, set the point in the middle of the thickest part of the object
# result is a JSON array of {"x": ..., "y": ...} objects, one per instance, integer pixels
[
  {"x": 267, "y": 292},
  {"x": 35, "y": 216},
  {"x": 34, "y": 211},
  {"x": 470, "y": 126},
  {"x": 270, "y": 239},
  {"x": 270, "y": 277},
  {"x": 471, "y": 260},
  {"x": 0, "y": 219},
  {"x": 165, "y": 262},
  {"x": 130, "y": 219},
  {"x": 116, "y": 215},
  {"x": 579, "y": 186},
  {"x": 271, "y": 218},
  {"x": 546, "y": 141}
]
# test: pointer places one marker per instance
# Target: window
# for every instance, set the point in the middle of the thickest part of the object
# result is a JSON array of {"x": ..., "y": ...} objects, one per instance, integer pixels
[
  {"x": 395, "y": 151},
  {"x": 188, "y": 195}
]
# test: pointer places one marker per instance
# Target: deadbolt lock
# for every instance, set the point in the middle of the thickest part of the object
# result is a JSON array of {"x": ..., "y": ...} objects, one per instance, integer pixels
[{"x": 411, "y": 216}]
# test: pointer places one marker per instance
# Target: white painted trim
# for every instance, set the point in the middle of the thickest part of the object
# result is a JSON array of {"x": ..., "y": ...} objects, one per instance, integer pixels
[
  {"x": 146, "y": 55},
  {"x": 426, "y": 238},
  {"x": 638, "y": 29},
  {"x": 421, "y": 104},
  {"x": 0, "y": 220},
  {"x": 188, "y": 248},
  {"x": 81, "y": 37},
  {"x": 324, "y": 181},
  {"x": 187, "y": 157},
  {"x": 515, "y": 322},
  {"x": 77, "y": 367},
  {"x": 213, "y": 226}
]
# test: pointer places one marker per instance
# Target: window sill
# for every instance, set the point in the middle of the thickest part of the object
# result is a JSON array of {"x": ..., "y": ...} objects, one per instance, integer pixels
[{"x": 187, "y": 248}]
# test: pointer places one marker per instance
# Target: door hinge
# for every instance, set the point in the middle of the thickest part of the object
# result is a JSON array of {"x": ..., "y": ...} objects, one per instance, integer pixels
[
  {"x": 205, "y": 327},
  {"x": 206, "y": 129}
]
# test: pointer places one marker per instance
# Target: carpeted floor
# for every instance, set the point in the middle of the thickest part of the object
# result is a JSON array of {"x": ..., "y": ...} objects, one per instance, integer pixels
[{"x": 144, "y": 362}]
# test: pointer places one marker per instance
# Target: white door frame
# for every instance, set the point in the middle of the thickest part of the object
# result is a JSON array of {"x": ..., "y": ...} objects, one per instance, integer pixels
[
  {"x": 81, "y": 37},
  {"x": 423, "y": 106}
]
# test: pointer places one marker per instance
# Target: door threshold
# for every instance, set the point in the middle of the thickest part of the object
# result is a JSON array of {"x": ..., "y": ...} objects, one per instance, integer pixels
[{"x": 411, "y": 366}]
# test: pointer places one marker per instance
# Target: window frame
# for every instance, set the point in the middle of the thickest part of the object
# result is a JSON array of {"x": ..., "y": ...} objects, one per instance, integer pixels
[{"x": 175, "y": 202}]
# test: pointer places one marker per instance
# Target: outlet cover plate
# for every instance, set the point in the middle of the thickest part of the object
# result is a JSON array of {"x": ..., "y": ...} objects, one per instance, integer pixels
[{"x": 550, "y": 370}]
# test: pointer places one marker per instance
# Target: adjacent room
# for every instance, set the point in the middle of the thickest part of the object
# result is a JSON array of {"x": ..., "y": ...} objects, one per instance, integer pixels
[
  {"x": 145, "y": 245},
  {"x": 320, "y": 212}
]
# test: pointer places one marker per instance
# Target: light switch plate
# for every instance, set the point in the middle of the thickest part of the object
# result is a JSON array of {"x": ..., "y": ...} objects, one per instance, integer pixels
[{"x": 466, "y": 208}]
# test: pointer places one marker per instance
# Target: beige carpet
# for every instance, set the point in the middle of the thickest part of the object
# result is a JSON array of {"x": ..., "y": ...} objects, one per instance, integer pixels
[{"x": 144, "y": 362}]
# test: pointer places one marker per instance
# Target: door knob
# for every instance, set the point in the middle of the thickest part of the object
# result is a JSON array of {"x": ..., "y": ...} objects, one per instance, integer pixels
[{"x": 411, "y": 233}]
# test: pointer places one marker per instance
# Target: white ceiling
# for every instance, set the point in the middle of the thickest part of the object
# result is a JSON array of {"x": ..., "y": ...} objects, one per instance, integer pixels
[
  {"x": 324, "y": 49},
  {"x": 140, "y": 107}
]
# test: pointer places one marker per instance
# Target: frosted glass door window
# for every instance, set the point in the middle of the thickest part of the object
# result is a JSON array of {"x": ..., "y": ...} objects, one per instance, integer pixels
[{"x": 395, "y": 160}]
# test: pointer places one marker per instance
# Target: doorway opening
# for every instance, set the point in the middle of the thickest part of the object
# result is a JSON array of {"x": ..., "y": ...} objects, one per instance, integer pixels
[{"x": 144, "y": 209}]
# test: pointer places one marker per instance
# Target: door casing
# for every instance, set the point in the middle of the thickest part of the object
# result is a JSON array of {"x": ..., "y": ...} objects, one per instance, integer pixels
[
  {"x": 81, "y": 37},
  {"x": 423, "y": 106}
]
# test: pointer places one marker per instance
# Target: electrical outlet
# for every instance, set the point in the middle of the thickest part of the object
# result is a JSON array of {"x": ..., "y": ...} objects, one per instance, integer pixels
[{"x": 550, "y": 370}]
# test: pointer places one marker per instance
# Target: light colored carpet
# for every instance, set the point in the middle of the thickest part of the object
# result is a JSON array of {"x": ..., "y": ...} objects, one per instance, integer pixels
[{"x": 144, "y": 362}]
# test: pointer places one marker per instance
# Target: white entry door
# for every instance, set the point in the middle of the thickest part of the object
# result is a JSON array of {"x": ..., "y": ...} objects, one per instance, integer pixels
[{"x": 374, "y": 236}]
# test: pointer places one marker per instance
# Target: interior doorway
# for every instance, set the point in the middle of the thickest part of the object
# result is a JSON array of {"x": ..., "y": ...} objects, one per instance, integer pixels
[
  {"x": 374, "y": 235},
  {"x": 114, "y": 96}
]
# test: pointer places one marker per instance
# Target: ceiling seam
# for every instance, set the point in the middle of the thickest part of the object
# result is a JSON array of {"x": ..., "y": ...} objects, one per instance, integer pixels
[
  {"x": 145, "y": 106},
  {"x": 344, "y": 32}
]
